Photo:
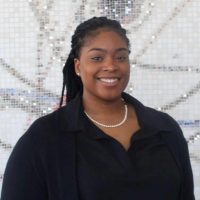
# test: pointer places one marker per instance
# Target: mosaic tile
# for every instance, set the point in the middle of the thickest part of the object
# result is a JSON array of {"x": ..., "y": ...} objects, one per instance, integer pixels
[{"x": 35, "y": 41}]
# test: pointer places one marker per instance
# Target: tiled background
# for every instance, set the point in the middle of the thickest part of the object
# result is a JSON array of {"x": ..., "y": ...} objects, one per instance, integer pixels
[{"x": 35, "y": 40}]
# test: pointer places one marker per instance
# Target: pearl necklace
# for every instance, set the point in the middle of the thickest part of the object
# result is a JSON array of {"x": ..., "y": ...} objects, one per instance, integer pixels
[{"x": 113, "y": 125}]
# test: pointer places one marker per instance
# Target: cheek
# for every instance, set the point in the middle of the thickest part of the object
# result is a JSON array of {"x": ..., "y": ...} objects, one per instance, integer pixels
[
  {"x": 88, "y": 69},
  {"x": 126, "y": 71},
  {"x": 126, "y": 75},
  {"x": 87, "y": 74}
]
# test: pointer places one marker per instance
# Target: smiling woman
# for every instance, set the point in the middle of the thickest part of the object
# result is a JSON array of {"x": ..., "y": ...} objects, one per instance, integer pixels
[
  {"x": 103, "y": 144},
  {"x": 103, "y": 65}
]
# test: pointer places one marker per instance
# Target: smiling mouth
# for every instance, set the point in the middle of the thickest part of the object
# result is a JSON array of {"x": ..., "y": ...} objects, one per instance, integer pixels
[{"x": 110, "y": 81}]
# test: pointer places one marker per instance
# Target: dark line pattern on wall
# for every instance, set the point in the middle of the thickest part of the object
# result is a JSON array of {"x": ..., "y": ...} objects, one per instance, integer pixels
[
  {"x": 12, "y": 71},
  {"x": 165, "y": 68},
  {"x": 194, "y": 90},
  {"x": 177, "y": 10}
]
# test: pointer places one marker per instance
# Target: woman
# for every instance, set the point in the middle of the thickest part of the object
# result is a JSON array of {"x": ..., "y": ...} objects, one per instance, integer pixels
[{"x": 104, "y": 144}]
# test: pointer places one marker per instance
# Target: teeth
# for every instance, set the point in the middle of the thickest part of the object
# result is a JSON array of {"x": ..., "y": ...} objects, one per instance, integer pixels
[{"x": 110, "y": 80}]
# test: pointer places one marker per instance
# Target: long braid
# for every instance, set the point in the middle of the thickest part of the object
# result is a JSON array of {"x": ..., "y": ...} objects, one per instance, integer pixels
[{"x": 71, "y": 82}]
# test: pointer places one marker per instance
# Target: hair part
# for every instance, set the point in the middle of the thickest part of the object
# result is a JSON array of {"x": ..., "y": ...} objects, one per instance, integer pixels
[{"x": 71, "y": 82}]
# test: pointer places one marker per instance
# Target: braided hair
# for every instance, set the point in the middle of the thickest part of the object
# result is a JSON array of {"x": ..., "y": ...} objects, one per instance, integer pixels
[{"x": 71, "y": 82}]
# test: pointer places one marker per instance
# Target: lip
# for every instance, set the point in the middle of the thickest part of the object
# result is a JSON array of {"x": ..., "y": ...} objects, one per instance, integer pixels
[{"x": 109, "y": 81}]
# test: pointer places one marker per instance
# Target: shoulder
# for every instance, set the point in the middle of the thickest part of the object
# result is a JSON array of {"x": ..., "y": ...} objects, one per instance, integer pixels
[
  {"x": 163, "y": 117},
  {"x": 52, "y": 128},
  {"x": 45, "y": 123},
  {"x": 152, "y": 117},
  {"x": 43, "y": 129},
  {"x": 165, "y": 120}
]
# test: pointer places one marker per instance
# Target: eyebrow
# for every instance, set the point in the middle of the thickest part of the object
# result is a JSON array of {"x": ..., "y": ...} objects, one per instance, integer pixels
[{"x": 104, "y": 50}]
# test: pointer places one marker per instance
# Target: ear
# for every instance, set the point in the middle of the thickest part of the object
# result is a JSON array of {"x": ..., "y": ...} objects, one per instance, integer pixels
[{"x": 77, "y": 65}]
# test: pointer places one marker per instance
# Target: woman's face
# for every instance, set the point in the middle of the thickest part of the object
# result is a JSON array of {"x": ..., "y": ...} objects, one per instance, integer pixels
[{"x": 103, "y": 65}]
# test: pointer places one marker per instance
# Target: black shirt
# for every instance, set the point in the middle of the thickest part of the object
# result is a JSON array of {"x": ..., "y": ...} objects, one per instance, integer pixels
[
  {"x": 107, "y": 171},
  {"x": 59, "y": 157}
]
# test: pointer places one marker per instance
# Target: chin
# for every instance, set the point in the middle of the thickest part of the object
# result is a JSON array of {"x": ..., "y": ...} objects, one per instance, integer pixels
[{"x": 110, "y": 96}]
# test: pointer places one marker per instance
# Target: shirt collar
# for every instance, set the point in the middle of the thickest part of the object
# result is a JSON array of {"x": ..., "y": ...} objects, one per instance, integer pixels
[
  {"x": 71, "y": 115},
  {"x": 147, "y": 116}
]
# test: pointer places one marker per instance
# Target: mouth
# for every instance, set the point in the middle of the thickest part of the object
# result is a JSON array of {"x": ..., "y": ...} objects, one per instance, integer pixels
[{"x": 111, "y": 81}]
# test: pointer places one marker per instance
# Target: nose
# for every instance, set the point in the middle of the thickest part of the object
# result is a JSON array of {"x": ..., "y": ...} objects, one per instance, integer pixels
[{"x": 109, "y": 64}]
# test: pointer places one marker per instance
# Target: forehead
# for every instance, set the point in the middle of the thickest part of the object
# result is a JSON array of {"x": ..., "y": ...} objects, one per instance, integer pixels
[{"x": 105, "y": 39}]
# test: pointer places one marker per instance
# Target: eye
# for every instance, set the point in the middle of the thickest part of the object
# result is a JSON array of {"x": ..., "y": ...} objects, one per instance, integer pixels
[
  {"x": 97, "y": 58},
  {"x": 122, "y": 58}
]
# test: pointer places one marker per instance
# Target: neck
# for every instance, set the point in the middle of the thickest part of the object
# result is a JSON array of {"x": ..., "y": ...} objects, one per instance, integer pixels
[{"x": 103, "y": 109}]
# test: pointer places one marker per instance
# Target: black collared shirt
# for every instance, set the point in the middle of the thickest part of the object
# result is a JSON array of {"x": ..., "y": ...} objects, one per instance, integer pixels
[
  {"x": 107, "y": 171},
  {"x": 64, "y": 150}
]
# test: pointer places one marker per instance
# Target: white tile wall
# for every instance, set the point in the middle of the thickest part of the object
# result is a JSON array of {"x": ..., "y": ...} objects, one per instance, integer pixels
[{"x": 35, "y": 40}]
